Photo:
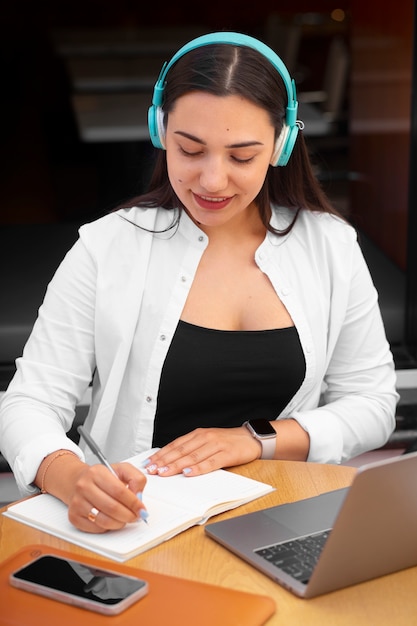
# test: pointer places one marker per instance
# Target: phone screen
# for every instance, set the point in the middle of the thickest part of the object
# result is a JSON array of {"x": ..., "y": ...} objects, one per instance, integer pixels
[{"x": 69, "y": 581}]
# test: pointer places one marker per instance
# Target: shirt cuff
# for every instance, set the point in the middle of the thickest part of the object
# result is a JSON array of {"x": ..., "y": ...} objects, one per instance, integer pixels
[
  {"x": 326, "y": 442},
  {"x": 27, "y": 463}
]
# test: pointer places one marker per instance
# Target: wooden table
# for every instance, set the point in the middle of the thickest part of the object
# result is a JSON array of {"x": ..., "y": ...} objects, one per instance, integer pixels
[{"x": 391, "y": 600}]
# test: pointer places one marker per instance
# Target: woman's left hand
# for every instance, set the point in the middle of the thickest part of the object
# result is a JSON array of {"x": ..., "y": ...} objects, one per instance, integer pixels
[{"x": 204, "y": 450}]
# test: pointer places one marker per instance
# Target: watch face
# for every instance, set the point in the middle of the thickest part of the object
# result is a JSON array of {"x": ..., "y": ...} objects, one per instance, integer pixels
[{"x": 262, "y": 427}]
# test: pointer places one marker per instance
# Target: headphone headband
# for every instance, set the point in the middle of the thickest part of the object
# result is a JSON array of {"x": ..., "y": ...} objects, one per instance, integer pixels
[{"x": 290, "y": 129}]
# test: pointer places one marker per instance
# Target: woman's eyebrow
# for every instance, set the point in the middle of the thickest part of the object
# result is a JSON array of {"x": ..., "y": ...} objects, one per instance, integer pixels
[
  {"x": 189, "y": 136},
  {"x": 243, "y": 144}
]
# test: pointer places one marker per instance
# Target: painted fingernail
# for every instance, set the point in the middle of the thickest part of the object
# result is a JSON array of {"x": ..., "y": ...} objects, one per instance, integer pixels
[
  {"x": 139, "y": 495},
  {"x": 146, "y": 462},
  {"x": 162, "y": 470},
  {"x": 151, "y": 468},
  {"x": 187, "y": 470}
]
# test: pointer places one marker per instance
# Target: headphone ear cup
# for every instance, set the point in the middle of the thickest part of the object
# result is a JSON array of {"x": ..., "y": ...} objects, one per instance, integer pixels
[
  {"x": 284, "y": 145},
  {"x": 279, "y": 144},
  {"x": 156, "y": 126}
]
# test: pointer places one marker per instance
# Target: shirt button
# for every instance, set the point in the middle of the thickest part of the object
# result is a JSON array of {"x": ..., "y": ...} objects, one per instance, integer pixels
[
  {"x": 183, "y": 279},
  {"x": 148, "y": 399},
  {"x": 162, "y": 337},
  {"x": 201, "y": 238}
]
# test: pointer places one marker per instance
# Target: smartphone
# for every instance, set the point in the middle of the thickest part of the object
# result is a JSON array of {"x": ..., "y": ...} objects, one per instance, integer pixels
[{"x": 101, "y": 590}]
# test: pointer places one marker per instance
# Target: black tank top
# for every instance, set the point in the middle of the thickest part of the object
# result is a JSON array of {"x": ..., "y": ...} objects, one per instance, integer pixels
[{"x": 218, "y": 378}]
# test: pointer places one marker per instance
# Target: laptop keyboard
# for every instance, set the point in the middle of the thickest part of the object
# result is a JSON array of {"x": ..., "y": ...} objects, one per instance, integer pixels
[{"x": 297, "y": 557}]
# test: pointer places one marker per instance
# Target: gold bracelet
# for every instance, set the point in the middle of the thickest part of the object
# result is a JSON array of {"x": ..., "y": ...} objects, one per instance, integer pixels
[{"x": 58, "y": 454}]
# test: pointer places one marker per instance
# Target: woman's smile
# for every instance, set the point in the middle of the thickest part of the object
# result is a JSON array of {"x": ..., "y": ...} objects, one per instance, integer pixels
[{"x": 212, "y": 203}]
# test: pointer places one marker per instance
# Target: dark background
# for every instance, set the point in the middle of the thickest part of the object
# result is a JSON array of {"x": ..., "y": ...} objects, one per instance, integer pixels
[
  {"x": 52, "y": 181},
  {"x": 49, "y": 175}
]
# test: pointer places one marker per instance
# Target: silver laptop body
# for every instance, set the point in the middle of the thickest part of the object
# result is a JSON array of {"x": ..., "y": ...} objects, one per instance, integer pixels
[{"x": 373, "y": 529}]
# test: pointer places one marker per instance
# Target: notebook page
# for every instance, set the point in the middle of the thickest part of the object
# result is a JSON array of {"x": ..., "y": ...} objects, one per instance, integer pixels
[
  {"x": 51, "y": 515},
  {"x": 219, "y": 489}
]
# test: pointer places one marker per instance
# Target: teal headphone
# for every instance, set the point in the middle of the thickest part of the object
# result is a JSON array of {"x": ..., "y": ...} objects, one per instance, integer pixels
[{"x": 285, "y": 142}]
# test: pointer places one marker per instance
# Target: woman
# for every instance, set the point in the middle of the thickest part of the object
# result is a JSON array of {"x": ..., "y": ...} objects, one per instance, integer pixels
[{"x": 226, "y": 315}]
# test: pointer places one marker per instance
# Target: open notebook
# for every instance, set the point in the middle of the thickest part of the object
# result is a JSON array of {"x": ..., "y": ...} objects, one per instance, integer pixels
[{"x": 174, "y": 503}]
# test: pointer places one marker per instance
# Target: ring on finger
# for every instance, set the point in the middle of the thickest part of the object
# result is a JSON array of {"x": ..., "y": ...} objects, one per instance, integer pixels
[{"x": 92, "y": 515}]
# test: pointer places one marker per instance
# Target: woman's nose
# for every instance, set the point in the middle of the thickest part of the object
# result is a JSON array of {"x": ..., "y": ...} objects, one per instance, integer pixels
[{"x": 214, "y": 176}]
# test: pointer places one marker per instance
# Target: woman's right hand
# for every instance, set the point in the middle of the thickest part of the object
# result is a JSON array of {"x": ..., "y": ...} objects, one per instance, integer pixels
[
  {"x": 102, "y": 502},
  {"x": 97, "y": 501}
]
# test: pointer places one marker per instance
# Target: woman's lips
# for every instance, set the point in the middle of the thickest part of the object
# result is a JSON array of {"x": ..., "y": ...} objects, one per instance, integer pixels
[{"x": 213, "y": 203}]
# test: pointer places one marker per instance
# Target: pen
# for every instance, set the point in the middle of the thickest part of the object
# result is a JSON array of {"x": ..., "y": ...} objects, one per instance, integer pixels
[{"x": 96, "y": 450}]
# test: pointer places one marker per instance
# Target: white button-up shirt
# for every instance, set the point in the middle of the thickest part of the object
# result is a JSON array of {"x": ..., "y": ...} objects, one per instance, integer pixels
[{"x": 111, "y": 310}]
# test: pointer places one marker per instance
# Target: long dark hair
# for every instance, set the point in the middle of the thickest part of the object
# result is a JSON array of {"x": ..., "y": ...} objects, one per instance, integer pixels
[{"x": 222, "y": 70}]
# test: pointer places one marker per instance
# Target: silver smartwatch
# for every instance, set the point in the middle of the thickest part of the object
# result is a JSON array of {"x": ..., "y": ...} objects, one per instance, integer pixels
[{"x": 262, "y": 430}]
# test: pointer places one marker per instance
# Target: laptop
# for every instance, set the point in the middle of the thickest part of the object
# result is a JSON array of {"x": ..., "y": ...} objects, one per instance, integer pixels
[{"x": 363, "y": 531}]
